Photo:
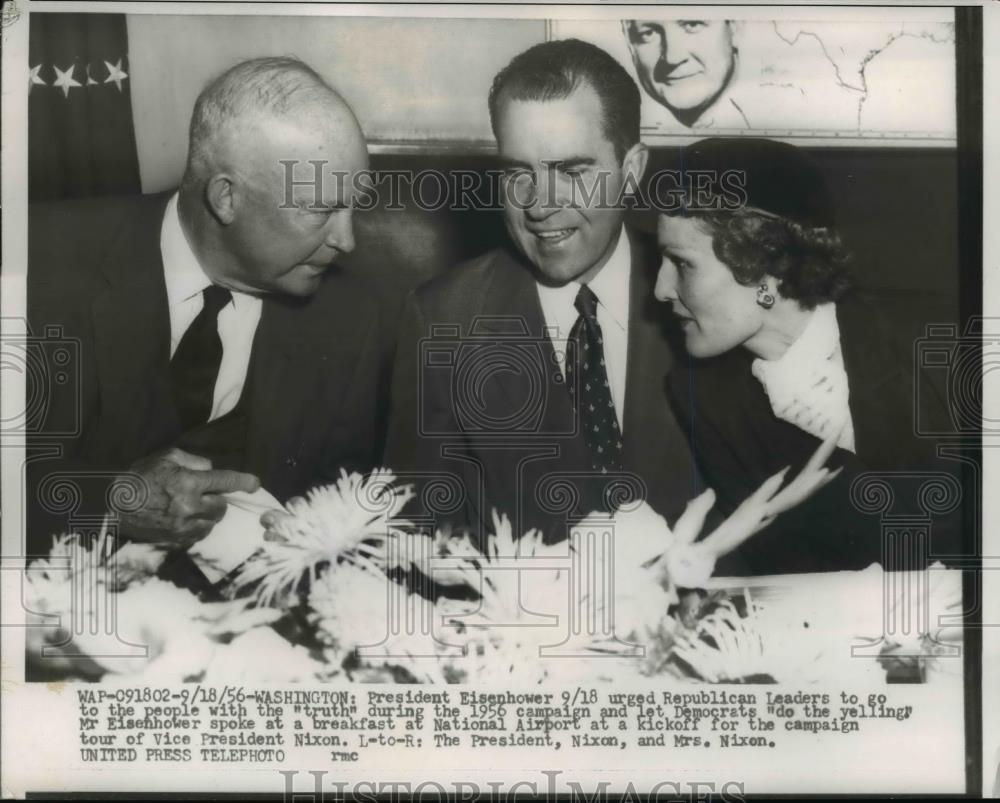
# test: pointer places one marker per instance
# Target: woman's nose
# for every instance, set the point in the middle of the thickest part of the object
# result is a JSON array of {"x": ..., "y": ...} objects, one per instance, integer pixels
[{"x": 666, "y": 283}]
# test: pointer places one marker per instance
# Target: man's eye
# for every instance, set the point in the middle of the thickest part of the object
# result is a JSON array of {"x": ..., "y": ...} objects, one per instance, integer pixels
[
  {"x": 310, "y": 208},
  {"x": 690, "y": 26}
]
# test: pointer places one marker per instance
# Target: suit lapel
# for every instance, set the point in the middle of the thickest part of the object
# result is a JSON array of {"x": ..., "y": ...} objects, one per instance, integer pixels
[
  {"x": 290, "y": 358},
  {"x": 132, "y": 335},
  {"x": 272, "y": 389},
  {"x": 512, "y": 310}
]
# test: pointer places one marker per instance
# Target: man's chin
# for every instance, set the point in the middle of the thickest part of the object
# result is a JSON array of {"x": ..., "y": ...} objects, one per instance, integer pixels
[
  {"x": 302, "y": 286},
  {"x": 557, "y": 273}
]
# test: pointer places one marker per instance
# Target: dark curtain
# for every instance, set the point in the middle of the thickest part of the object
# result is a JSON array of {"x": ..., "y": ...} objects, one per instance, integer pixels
[{"x": 81, "y": 140}]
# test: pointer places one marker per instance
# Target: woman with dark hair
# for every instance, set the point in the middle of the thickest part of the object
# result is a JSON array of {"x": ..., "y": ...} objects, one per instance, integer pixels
[{"x": 789, "y": 355}]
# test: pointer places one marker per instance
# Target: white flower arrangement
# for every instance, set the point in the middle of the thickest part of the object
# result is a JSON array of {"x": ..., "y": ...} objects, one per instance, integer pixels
[
  {"x": 346, "y": 558},
  {"x": 98, "y": 611},
  {"x": 354, "y": 521}
]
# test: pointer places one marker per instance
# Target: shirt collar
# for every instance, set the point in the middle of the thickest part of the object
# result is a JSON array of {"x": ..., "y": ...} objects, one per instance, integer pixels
[
  {"x": 182, "y": 272},
  {"x": 610, "y": 285}
]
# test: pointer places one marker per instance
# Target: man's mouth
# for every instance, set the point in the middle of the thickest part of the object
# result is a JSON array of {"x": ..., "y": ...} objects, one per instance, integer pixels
[
  {"x": 670, "y": 79},
  {"x": 553, "y": 236}
]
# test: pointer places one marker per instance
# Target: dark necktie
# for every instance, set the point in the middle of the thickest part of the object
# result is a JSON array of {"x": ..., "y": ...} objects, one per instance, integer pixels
[
  {"x": 194, "y": 367},
  {"x": 587, "y": 378}
]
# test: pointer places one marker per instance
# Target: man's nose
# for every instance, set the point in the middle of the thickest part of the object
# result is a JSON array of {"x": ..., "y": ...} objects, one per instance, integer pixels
[
  {"x": 340, "y": 234},
  {"x": 545, "y": 197},
  {"x": 666, "y": 282},
  {"x": 673, "y": 48}
]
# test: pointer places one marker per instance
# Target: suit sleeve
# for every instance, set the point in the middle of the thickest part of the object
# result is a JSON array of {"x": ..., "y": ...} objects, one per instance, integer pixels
[{"x": 64, "y": 490}]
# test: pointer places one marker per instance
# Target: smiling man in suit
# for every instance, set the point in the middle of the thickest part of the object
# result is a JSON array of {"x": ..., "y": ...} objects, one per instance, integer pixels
[
  {"x": 218, "y": 349},
  {"x": 532, "y": 379}
]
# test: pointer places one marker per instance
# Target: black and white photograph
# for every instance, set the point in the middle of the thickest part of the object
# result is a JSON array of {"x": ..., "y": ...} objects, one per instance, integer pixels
[{"x": 578, "y": 400}]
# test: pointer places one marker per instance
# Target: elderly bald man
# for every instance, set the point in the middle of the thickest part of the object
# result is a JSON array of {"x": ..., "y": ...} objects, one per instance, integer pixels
[{"x": 216, "y": 348}]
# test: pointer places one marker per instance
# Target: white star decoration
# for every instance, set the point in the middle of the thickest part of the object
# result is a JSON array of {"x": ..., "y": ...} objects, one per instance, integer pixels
[
  {"x": 64, "y": 79},
  {"x": 34, "y": 79},
  {"x": 115, "y": 73}
]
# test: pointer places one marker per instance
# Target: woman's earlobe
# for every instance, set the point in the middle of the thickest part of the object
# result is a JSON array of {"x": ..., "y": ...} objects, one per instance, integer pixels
[{"x": 765, "y": 296}]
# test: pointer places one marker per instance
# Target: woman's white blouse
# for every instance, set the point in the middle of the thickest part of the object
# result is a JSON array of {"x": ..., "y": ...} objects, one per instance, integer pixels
[{"x": 807, "y": 386}]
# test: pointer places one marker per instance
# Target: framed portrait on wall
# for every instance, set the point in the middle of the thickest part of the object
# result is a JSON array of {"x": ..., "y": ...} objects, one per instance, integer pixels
[{"x": 885, "y": 78}]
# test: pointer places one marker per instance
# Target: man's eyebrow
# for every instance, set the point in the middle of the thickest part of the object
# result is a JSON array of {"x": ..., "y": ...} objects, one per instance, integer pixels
[
  {"x": 317, "y": 205},
  {"x": 636, "y": 26},
  {"x": 510, "y": 164},
  {"x": 570, "y": 161},
  {"x": 549, "y": 164},
  {"x": 673, "y": 251}
]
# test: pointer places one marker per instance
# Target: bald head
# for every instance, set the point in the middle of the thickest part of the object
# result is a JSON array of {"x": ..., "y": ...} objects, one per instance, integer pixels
[
  {"x": 257, "y": 131},
  {"x": 252, "y": 99}
]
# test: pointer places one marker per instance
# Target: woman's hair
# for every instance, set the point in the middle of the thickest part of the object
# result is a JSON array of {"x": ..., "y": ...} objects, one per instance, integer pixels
[{"x": 811, "y": 265}]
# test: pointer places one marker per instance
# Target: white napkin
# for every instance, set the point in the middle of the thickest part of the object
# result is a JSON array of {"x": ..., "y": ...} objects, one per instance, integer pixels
[{"x": 236, "y": 537}]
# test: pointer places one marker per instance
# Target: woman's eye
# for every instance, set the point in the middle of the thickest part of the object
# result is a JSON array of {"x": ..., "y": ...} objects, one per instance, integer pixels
[{"x": 690, "y": 26}]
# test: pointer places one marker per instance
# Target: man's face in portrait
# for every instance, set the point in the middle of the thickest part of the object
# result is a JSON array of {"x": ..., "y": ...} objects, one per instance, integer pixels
[
  {"x": 563, "y": 179},
  {"x": 683, "y": 64}
]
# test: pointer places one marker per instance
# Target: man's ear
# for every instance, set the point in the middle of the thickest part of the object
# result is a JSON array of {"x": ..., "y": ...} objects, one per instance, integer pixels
[
  {"x": 735, "y": 33},
  {"x": 220, "y": 197},
  {"x": 634, "y": 163}
]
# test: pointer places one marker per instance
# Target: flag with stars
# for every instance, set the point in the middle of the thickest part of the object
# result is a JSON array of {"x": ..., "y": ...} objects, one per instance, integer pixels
[{"x": 81, "y": 138}]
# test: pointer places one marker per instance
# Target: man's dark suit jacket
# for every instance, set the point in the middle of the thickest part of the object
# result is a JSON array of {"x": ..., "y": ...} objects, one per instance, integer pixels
[
  {"x": 738, "y": 442},
  {"x": 482, "y": 420},
  {"x": 95, "y": 274}
]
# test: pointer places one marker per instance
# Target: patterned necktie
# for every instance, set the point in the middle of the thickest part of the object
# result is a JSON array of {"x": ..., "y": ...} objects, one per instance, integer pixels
[
  {"x": 587, "y": 379},
  {"x": 194, "y": 367}
]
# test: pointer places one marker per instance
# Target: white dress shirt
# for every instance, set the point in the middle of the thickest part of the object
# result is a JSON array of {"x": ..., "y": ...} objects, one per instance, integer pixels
[
  {"x": 611, "y": 286},
  {"x": 807, "y": 386},
  {"x": 185, "y": 280}
]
